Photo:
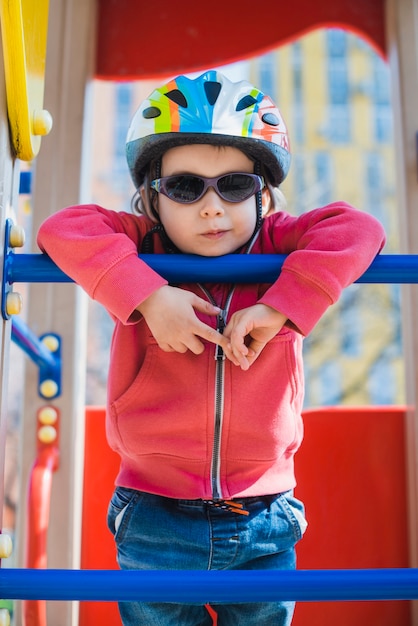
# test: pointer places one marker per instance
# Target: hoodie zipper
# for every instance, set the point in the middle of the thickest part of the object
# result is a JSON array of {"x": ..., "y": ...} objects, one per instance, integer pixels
[
  {"x": 219, "y": 412},
  {"x": 220, "y": 388},
  {"x": 219, "y": 398}
]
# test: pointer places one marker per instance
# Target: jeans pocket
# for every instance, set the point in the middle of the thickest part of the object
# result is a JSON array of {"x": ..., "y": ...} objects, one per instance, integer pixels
[
  {"x": 295, "y": 512},
  {"x": 121, "y": 501}
]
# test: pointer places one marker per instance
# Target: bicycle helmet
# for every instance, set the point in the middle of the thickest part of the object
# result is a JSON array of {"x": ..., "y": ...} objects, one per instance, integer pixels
[{"x": 209, "y": 109}]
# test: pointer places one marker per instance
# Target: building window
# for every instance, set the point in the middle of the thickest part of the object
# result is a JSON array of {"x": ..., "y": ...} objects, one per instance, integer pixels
[
  {"x": 336, "y": 42},
  {"x": 339, "y": 122},
  {"x": 330, "y": 383},
  {"x": 299, "y": 175},
  {"x": 383, "y": 123},
  {"x": 324, "y": 178},
  {"x": 298, "y": 99},
  {"x": 380, "y": 91},
  {"x": 352, "y": 335},
  {"x": 122, "y": 117},
  {"x": 381, "y": 382},
  {"x": 267, "y": 74},
  {"x": 374, "y": 185}
]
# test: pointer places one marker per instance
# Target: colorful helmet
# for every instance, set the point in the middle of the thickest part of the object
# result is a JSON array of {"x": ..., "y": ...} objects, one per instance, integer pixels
[{"x": 209, "y": 109}]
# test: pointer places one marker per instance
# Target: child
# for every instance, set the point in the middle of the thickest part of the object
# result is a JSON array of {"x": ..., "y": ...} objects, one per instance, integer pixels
[{"x": 205, "y": 386}]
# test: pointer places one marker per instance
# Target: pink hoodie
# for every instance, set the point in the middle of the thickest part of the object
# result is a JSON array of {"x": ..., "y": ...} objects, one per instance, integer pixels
[{"x": 191, "y": 426}]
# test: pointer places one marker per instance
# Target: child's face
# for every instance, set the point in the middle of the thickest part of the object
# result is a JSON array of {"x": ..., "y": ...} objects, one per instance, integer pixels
[{"x": 210, "y": 226}]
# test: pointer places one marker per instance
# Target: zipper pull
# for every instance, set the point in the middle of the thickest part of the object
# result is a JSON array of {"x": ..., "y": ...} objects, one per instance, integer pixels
[{"x": 219, "y": 353}]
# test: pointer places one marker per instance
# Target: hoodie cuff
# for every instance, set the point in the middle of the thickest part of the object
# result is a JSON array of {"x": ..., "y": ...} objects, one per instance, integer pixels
[
  {"x": 300, "y": 300},
  {"x": 125, "y": 285}
]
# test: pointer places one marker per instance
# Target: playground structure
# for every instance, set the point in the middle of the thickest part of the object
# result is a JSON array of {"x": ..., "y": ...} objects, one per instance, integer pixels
[{"x": 88, "y": 39}]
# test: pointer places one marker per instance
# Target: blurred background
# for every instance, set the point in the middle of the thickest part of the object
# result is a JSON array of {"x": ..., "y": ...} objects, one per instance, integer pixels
[{"x": 333, "y": 90}]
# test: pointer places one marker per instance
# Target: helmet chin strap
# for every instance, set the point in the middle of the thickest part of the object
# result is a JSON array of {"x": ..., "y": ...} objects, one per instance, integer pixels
[
  {"x": 154, "y": 193},
  {"x": 258, "y": 200},
  {"x": 245, "y": 249}
]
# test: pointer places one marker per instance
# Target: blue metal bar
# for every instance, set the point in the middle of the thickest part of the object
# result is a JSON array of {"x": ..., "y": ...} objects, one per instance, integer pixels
[
  {"x": 212, "y": 586},
  {"x": 23, "y": 337},
  {"x": 237, "y": 268},
  {"x": 49, "y": 363}
]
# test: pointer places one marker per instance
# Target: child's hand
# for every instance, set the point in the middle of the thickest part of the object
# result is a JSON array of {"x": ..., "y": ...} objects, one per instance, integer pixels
[
  {"x": 250, "y": 330},
  {"x": 170, "y": 315}
]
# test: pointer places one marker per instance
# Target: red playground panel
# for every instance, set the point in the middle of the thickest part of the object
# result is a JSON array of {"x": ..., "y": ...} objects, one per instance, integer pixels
[
  {"x": 98, "y": 549},
  {"x": 351, "y": 474}
]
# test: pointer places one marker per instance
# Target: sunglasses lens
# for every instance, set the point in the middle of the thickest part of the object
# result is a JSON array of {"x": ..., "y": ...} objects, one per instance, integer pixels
[
  {"x": 236, "y": 187},
  {"x": 184, "y": 188}
]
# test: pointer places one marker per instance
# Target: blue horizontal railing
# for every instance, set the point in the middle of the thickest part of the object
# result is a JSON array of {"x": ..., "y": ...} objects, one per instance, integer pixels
[
  {"x": 187, "y": 268},
  {"x": 209, "y": 586}
]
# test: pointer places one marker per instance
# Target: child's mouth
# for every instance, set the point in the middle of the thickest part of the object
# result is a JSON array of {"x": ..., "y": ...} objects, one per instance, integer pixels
[{"x": 214, "y": 234}]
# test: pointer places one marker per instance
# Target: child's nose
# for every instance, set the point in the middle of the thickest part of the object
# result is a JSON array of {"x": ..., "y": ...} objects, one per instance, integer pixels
[{"x": 211, "y": 204}]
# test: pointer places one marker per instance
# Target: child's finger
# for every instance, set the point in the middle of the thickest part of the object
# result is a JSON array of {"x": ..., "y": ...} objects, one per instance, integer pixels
[
  {"x": 255, "y": 348},
  {"x": 237, "y": 339},
  {"x": 204, "y": 306},
  {"x": 212, "y": 335}
]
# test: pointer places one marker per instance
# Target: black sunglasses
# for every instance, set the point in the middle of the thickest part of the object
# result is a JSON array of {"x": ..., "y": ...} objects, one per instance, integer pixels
[{"x": 188, "y": 188}]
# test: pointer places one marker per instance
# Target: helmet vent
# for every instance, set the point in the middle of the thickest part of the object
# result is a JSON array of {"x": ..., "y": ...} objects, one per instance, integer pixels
[
  {"x": 151, "y": 112},
  {"x": 245, "y": 102},
  {"x": 212, "y": 90},
  {"x": 176, "y": 96},
  {"x": 271, "y": 119}
]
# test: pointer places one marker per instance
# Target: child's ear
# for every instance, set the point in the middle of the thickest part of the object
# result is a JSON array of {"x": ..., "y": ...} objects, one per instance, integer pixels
[
  {"x": 266, "y": 201},
  {"x": 143, "y": 195}
]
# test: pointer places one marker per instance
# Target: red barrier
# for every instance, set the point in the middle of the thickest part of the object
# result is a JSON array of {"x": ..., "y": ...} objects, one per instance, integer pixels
[
  {"x": 351, "y": 473},
  {"x": 352, "y": 478},
  {"x": 98, "y": 549}
]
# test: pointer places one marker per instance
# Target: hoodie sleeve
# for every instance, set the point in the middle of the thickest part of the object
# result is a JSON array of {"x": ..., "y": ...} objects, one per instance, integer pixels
[
  {"x": 98, "y": 249},
  {"x": 328, "y": 249}
]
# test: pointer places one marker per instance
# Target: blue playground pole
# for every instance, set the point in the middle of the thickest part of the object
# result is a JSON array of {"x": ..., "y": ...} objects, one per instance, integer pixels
[
  {"x": 187, "y": 268},
  {"x": 209, "y": 586}
]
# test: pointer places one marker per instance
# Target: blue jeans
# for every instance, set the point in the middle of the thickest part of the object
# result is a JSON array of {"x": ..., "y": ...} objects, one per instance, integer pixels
[{"x": 153, "y": 532}]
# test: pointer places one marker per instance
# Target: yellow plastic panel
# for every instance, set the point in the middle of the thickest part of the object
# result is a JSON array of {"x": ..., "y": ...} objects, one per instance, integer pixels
[{"x": 24, "y": 28}]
